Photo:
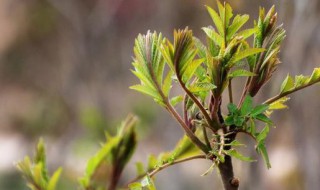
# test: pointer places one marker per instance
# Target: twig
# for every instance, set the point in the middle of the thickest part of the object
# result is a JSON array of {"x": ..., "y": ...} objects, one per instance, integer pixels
[
  {"x": 230, "y": 91},
  {"x": 206, "y": 139},
  {"x": 279, "y": 96},
  {"x": 158, "y": 169}
]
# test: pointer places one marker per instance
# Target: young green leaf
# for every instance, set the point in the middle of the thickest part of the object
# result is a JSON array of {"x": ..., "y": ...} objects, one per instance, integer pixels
[
  {"x": 315, "y": 76},
  {"x": 263, "y": 118},
  {"x": 236, "y": 154},
  {"x": 175, "y": 100},
  {"x": 152, "y": 162},
  {"x": 236, "y": 143},
  {"x": 246, "y": 107},
  {"x": 263, "y": 134},
  {"x": 245, "y": 53},
  {"x": 287, "y": 84},
  {"x": 201, "y": 86},
  {"x": 261, "y": 149},
  {"x": 228, "y": 14},
  {"x": 202, "y": 50},
  {"x": 247, "y": 33},
  {"x": 140, "y": 169},
  {"x": 214, "y": 36},
  {"x": 54, "y": 179},
  {"x": 216, "y": 19},
  {"x": 147, "y": 90},
  {"x": 135, "y": 186},
  {"x": 232, "y": 108},
  {"x": 240, "y": 73},
  {"x": 279, "y": 104},
  {"x": 237, "y": 23},
  {"x": 259, "y": 109},
  {"x": 167, "y": 83},
  {"x": 191, "y": 69},
  {"x": 148, "y": 183}
]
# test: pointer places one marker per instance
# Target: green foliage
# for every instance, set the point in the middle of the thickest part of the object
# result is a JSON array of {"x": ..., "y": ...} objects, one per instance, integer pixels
[
  {"x": 146, "y": 184},
  {"x": 184, "y": 149},
  {"x": 115, "y": 153},
  {"x": 300, "y": 81},
  {"x": 239, "y": 117},
  {"x": 203, "y": 71},
  {"x": 35, "y": 171},
  {"x": 149, "y": 67}
]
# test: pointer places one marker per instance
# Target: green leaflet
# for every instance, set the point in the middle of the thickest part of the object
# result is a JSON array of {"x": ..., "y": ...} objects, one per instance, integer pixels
[
  {"x": 185, "y": 148},
  {"x": 135, "y": 186},
  {"x": 264, "y": 118},
  {"x": 167, "y": 52},
  {"x": 184, "y": 53},
  {"x": 115, "y": 152},
  {"x": 202, "y": 50},
  {"x": 216, "y": 19},
  {"x": 287, "y": 84},
  {"x": 300, "y": 81},
  {"x": 240, "y": 73},
  {"x": 148, "y": 182},
  {"x": 247, "y": 33},
  {"x": 191, "y": 69},
  {"x": 245, "y": 53},
  {"x": 228, "y": 13},
  {"x": 35, "y": 172},
  {"x": 146, "y": 90},
  {"x": 54, "y": 179},
  {"x": 246, "y": 106},
  {"x": 279, "y": 104},
  {"x": 261, "y": 149},
  {"x": 239, "y": 117},
  {"x": 201, "y": 86},
  {"x": 237, "y": 23},
  {"x": 175, "y": 100},
  {"x": 236, "y": 143},
  {"x": 152, "y": 162},
  {"x": 214, "y": 36},
  {"x": 140, "y": 168},
  {"x": 259, "y": 109},
  {"x": 151, "y": 52},
  {"x": 271, "y": 54},
  {"x": 167, "y": 83},
  {"x": 97, "y": 159},
  {"x": 263, "y": 134},
  {"x": 145, "y": 184},
  {"x": 315, "y": 76},
  {"x": 239, "y": 156}
]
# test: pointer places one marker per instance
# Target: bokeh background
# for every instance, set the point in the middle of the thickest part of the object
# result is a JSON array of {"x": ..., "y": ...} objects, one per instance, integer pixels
[{"x": 65, "y": 72}]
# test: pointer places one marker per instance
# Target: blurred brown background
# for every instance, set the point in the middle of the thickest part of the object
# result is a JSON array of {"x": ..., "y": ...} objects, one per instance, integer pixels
[{"x": 65, "y": 72}]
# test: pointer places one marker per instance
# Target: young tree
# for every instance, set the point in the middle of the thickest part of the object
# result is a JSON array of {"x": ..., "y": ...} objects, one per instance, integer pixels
[{"x": 204, "y": 72}]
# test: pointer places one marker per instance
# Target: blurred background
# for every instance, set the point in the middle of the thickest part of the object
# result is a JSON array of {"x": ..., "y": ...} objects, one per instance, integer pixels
[{"x": 65, "y": 72}]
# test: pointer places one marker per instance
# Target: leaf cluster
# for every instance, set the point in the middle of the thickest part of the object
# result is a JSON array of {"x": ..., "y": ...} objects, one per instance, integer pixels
[
  {"x": 114, "y": 154},
  {"x": 35, "y": 170}
]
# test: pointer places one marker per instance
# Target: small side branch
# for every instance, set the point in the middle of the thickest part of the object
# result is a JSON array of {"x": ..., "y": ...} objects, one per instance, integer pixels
[
  {"x": 166, "y": 165},
  {"x": 230, "y": 91},
  {"x": 279, "y": 96}
]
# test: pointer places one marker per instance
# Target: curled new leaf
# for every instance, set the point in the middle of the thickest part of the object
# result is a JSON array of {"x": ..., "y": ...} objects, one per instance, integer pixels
[{"x": 149, "y": 66}]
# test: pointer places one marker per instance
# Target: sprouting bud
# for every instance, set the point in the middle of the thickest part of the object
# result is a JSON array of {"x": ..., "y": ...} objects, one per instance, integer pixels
[{"x": 272, "y": 22}]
